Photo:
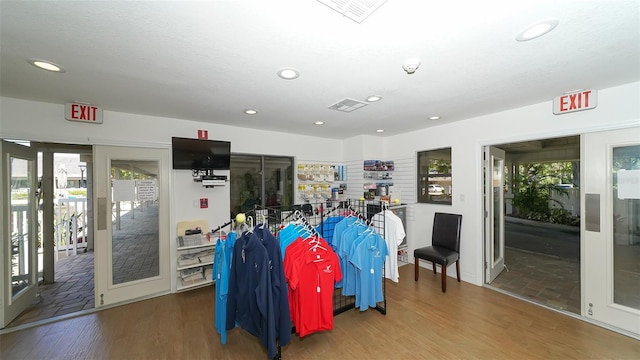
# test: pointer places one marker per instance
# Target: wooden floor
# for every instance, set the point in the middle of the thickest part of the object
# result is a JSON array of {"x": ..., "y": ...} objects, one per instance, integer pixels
[{"x": 468, "y": 322}]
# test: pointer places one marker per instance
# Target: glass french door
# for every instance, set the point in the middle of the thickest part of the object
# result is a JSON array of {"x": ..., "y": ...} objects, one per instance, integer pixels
[
  {"x": 610, "y": 229},
  {"x": 19, "y": 229},
  {"x": 494, "y": 212},
  {"x": 260, "y": 180},
  {"x": 131, "y": 223},
  {"x": 278, "y": 185}
]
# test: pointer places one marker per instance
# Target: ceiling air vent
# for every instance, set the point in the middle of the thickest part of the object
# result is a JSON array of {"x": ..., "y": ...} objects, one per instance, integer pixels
[
  {"x": 356, "y": 10},
  {"x": 347, "y": 105}
]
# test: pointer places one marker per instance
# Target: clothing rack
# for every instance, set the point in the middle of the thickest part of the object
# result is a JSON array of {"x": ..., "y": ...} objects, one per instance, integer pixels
[
  {"x": 223, "y": 226},
  {"x": 243, "y": 225},
  {"x": 358, "y": 210},
  {"x": 316, "y": 217},
  {"x": 298, "y": 216},
  {"x": 231, "y": 222}
]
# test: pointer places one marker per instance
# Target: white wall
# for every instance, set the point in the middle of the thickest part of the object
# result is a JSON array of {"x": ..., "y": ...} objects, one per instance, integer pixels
[
  {"x": 617, "y": 107},
  {"x": 186, "y": 199},
  {"x": 37, "y": 121}
]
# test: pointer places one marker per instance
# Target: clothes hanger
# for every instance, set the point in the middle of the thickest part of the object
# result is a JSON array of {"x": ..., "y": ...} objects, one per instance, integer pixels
[
  {"x": 306, "y": 233},
  {"x": 219, "y": 234},
  {"x": 317, "y": 246},
  {"x": 313, "y": 238},
  {"x": 368, "y": 230},
  {"x": 262, "y": 220}
]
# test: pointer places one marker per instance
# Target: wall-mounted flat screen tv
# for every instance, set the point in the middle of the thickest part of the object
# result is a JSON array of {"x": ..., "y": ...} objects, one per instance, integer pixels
[{"x": 199, "y": 154}]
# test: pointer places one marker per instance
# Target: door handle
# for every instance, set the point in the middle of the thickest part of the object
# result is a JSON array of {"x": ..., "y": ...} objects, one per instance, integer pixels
[
  {"x": 102, "y": 213},
  {"x": 592, "y": 212}
]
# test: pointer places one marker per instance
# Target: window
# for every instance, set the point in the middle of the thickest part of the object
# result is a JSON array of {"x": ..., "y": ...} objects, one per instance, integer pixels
[
  {"x": 434, "y": 176},
  {"x": 260, "y": 180}
]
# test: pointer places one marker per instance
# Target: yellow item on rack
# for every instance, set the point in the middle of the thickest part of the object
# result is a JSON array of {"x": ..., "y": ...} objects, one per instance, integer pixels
[{"x": 240, "y": 218}]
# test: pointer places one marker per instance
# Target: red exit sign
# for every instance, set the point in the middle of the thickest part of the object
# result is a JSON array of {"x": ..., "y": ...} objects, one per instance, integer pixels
[
  {"x": 83, "y": 112},
  {"x": 576, "y": 101}
]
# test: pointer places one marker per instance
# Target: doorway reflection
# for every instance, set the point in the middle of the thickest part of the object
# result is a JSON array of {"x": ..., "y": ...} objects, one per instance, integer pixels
[
  {"x": 626, "y": 226},
  {"x": 135, "y": 235}
]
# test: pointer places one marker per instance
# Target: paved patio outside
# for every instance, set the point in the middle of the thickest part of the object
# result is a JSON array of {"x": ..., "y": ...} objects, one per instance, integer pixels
[
  {"x": 72, "y": 292},
  {"x": 549, "y": 280},
  {"x": 135, "y": 254},
  {"x": 135, "y": 245}
]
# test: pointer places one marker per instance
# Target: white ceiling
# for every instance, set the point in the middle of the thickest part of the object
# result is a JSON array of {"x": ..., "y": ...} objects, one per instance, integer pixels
[{"x": 210, "y": 60}]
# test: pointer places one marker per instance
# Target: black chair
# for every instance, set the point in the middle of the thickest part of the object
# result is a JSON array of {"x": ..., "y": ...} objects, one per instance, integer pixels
[{"x": 445, "y": 248}]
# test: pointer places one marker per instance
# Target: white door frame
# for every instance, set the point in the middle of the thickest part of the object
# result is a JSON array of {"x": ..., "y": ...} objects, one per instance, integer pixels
[
  {"x": 494, "y": 215},
  {"x": 597, "y": 241},
  {"x": 106, "y": 292},
  {"x": 13, "y": 306}
]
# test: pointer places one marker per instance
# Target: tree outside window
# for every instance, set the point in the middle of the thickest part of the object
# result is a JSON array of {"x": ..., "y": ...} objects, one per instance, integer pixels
[{"x": 544, "y": 192}]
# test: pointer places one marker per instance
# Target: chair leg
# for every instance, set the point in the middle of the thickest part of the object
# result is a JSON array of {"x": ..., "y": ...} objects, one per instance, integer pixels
[
  {"x": 434, "y": 267},
  {"x": 444, "y": 278},
  {"x": 416, "y": 267},
  {"x": 458, "y": 269}
]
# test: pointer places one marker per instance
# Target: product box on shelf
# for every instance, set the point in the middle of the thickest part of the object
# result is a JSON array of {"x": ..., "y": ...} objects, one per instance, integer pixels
[{"x": 193, "y": 240}]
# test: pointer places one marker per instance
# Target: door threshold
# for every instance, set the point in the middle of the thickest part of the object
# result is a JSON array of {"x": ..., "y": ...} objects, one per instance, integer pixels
[{"x": 47, "y": 321}]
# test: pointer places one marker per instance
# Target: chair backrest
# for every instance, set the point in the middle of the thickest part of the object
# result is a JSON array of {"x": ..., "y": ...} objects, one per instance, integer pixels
[{"x": 446, "y": 231}]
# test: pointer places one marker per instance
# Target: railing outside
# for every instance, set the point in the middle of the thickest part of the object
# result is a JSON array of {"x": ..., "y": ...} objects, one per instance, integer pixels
[
  {"x": 19, "y": 246},
  {"x": 71, "y": 225}
]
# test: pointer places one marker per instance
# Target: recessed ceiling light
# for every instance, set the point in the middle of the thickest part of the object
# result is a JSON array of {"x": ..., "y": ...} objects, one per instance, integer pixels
[
  {"x": 374, "y": 98},
  {"x": 319, "y": 122},
  {"x": 537, "y": 29},
  {"x": 434, "y": 117},
  {"x": 288, "y": 73},
  {"x": 379, "y": 130},
  {"x": 250, "y": 112},
  {"x": 46, "y": 65}
]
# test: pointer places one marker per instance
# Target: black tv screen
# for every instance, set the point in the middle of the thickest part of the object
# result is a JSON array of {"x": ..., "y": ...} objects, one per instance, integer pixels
[{"x": 198, "y": 154}]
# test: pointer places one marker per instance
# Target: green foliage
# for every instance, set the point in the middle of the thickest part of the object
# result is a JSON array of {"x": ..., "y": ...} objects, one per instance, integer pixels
[
  {"x": 118, "y": 173},
  {"x": 562, "y": 216},
  {"x": 532, "y": 198},
  {"x": 532, "y": 193},
  {"x": 78, "y": 192},
  {"x": 66, "y": 223},
  {"x": 440, "y": 167},
  {"x": 19, "y": 195}
]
